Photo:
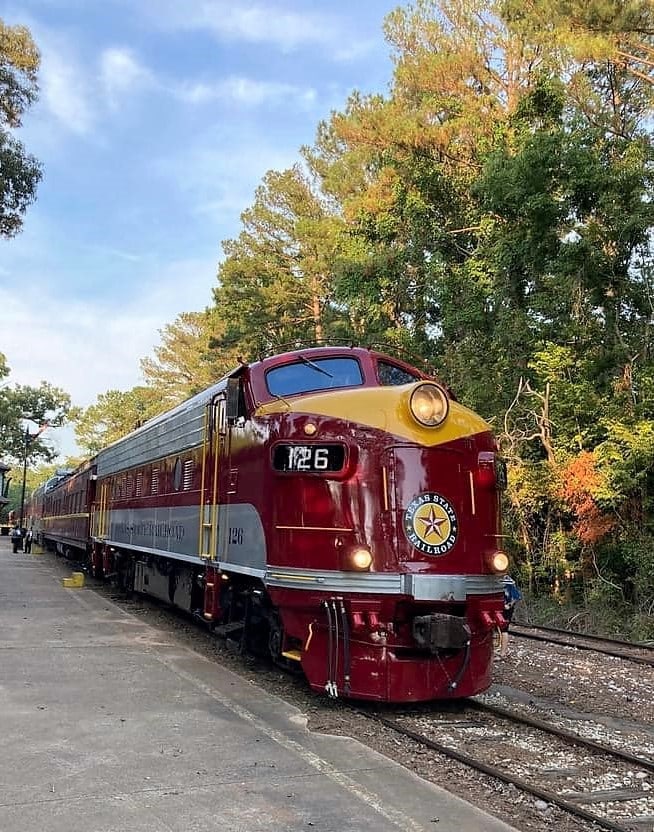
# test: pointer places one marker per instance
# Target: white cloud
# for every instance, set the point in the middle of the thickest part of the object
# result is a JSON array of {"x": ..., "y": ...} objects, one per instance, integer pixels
[
  {"x": 79, "y": 103},
  {"x": 260, "y": 23},
  {"x": 121, "y": 73},
  {"x": 256, "y": 23},
  {"x": 88, "y": 348},
  {"x": 265, "y": 25},
  {"x": 65, "y": 91},
  {"x": 119, "y": 254},
  {"x": 77, "y": 346},
  {"x": 217, "y": 174},
  {"x": 247, "y": 91},
  {"x": 79, "y": 92}
]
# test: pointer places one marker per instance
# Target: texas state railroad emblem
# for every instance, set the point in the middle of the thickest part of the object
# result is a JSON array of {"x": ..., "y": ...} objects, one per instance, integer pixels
[{"x": 430, "y": 524}]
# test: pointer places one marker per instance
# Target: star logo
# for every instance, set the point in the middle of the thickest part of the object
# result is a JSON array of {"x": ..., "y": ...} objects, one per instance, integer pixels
[
  {"x": 432, "y": 518},
  {"x": 430, "y": 524}
]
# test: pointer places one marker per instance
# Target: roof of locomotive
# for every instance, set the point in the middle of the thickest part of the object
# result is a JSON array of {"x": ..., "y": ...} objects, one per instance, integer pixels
[
  {"x": 364, "y": 353},
  {"x": 172, "y": 431},
  {"x": 367, "y": 357}
]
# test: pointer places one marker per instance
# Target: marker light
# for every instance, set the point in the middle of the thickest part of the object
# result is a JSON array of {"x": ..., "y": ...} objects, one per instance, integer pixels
[
  {"x": 310, "y": 429},
  {"x": 429, "y": 404},
  {"x": 360, "y": 559},
  {"x": 498, "y": 562}
]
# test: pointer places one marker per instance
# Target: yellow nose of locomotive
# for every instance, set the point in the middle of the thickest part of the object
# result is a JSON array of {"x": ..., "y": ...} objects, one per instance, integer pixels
[{"x": 419, "y": 412}]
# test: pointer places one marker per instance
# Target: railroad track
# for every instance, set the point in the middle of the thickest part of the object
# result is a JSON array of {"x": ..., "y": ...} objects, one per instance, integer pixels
[
  {"x": 637, "y": 653},
  {"x": 609, "y": 787}
]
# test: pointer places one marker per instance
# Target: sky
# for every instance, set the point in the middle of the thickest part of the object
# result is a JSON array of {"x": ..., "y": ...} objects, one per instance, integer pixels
[{"x": 155, "y": 123}]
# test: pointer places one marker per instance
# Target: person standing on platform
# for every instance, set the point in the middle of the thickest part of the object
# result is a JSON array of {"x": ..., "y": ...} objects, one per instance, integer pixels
[
  {"x": 29, "y": 536},
  {"x": 511, "y": 597},
  {"x": 16, "y": 539}
]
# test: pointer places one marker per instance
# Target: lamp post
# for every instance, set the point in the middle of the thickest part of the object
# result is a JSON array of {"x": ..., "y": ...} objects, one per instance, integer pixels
[
  {"x": 29, "y": 437},
  {"x": 22, "y": 493}
]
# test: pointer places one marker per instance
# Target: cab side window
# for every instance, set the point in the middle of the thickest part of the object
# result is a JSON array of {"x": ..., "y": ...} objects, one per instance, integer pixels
[{"x": 391, "y": 375}]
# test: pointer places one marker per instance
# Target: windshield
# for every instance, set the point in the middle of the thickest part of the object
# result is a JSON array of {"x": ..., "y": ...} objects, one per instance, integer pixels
[{"x": 313, "y": 374}]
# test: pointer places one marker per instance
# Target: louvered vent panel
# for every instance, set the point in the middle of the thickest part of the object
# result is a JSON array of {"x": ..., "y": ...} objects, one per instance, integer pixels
[
  {"x": 155, "y": 481},
  {"x": 189, "y": 467}
]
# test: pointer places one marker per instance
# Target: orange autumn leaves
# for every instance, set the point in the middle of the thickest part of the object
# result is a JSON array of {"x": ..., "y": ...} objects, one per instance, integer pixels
[{"x": 580, "y": 484}]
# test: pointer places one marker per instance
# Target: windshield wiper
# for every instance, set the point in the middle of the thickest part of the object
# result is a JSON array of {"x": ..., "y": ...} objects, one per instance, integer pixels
[
  {"x": 281, "y": 399},
  {"x": 315, "y": 366}
]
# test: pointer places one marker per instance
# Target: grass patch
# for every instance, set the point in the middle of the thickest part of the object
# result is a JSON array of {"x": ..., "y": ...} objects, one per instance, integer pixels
[{"x": 597, "y": 615}]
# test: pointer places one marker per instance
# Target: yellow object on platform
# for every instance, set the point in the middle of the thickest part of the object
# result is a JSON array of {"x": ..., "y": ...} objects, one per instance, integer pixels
[
  {"x": 75, "y": 581},
  {"x": 37, "y": 550}
]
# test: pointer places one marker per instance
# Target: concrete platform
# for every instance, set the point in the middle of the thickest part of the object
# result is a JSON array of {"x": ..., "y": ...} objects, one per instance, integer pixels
[{"x": 108, "y": 725}]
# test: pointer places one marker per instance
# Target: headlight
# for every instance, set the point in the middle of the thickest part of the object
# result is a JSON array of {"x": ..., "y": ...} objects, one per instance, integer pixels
[
  {"x": 360, "y": 559},
  {"x": 498, "y": 562},
  {"x": 429, "y": 404}
]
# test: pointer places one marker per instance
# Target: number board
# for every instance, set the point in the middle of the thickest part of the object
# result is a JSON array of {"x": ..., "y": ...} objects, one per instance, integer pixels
[{"x": 315, "y": 459}]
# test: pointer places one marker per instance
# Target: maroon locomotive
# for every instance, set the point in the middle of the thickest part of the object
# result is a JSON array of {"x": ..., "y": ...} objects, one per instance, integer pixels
[{"x": 332, "y": 506}]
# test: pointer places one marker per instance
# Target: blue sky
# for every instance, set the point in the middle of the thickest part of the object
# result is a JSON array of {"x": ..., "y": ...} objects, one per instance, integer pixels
[{"x": 156, "y": 121}]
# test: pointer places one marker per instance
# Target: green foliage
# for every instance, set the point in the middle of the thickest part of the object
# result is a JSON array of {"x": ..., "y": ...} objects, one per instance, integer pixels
[
  {"x": 574, "y": 399},
  {"x": 25, "y": 412},
  {"x": 115, "y": 414},
  {"x": 627, "y": 457},
  {"x": 34, "y": 477},
  {"x": 274, "y": 284},
  {"x": 185, "y": 362},
  {"x": 20, "y": 173}
]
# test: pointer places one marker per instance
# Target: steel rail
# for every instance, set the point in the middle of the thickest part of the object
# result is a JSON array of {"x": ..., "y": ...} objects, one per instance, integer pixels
[
  {"x": 641, "y": 645},
  {"x": 491, "y": 771},
  {"x": 619, "y": 654},
  {"x": 562, "y": 733}
]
